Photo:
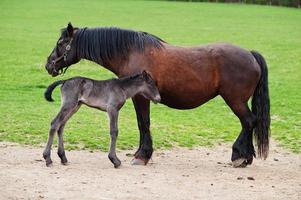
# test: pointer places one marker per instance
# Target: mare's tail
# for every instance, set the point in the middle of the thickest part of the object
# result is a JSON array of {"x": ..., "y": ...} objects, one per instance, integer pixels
[{"x": 261, "y": 108}]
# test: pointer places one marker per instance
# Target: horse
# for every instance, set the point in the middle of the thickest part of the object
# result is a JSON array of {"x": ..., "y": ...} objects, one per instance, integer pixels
[
  {"x": 186, "y": 77},
  {"x": 109, "y": 95}
]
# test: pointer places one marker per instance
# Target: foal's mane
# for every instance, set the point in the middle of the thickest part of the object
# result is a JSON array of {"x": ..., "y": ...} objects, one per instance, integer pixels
[
  {"x": 125, "y": 81},
  {"x": 129, "y": 78},
  {"x": 106, "y": 43}
]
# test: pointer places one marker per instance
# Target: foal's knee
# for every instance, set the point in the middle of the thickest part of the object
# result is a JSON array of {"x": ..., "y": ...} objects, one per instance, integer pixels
[{"x": 54, "y": 126}]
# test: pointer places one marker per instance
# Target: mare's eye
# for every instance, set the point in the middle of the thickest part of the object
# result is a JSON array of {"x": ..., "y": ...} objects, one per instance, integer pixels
[{"x": 60, "y": 42}]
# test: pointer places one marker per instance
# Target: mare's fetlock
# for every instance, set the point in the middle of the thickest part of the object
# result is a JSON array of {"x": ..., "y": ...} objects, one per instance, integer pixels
[
  {"x": 144, "y": 153},
  {"x": 242, "y": 154}
]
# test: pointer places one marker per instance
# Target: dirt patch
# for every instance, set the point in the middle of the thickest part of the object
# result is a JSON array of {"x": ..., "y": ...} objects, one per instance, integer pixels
[{"x": 200, "y": 173}]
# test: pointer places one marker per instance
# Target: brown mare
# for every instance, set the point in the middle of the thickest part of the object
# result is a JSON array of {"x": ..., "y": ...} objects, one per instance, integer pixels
[{"x": 185, "y": 77}]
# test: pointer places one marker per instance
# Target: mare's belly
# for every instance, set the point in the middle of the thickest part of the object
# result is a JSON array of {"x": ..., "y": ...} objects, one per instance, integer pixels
[
  {"x": 178, "y": 101},
  {"x": 184, "y": 92}
]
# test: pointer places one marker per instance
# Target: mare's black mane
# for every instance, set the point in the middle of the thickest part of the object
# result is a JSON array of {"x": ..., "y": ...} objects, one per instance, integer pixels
[{"x": 106, "y": 43}]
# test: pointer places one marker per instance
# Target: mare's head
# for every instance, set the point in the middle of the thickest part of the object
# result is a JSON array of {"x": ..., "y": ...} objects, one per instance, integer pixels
[
  {"x": 148, "y": 87},
  {"x": 64, "y": 53}
]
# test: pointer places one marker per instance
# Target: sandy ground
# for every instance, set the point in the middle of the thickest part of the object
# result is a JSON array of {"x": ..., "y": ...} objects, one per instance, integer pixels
[{"x": 200, "y": 173}]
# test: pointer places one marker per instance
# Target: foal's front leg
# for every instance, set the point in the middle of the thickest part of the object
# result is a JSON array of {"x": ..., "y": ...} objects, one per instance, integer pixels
[{"x": 113, "y": 117}]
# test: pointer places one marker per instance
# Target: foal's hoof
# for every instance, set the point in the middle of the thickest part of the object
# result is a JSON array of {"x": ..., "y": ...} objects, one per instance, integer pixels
[
  {"x": 49, "y": 164},
  {"x": 64, "y": 161},
  {"x": 117, "y": 165},
  {"x": 137, "y": 161}
]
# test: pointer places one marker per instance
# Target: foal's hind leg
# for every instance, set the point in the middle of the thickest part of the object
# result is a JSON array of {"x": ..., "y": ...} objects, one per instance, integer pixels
[
  {"x": 55, "y": 126},
  {"x": 61, "y": 149},
  {"x": 243, "y": 149}
]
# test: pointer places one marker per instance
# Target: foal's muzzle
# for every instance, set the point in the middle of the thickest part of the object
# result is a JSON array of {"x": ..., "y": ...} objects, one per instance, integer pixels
[{"x": 157, "y": 99}]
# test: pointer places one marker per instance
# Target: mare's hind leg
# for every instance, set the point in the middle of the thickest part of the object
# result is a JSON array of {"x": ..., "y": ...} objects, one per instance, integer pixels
[
  {"x": 243, "y": 149},
  {"x": 55, "y": 126},
  {"x": 61, "y": 149}
]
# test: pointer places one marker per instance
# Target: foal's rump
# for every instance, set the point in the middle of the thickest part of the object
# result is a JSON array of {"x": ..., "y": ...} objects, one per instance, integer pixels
[{"x": 70, "y": 87}]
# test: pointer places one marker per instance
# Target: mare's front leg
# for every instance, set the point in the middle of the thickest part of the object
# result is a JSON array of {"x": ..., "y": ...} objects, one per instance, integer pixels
[
  {"x": 113, "y": 117},
  {"x": 145, "y": 151}
]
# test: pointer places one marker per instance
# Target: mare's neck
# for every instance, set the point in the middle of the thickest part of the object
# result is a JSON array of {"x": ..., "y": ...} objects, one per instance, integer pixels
[{"x": 85, "y": 50}]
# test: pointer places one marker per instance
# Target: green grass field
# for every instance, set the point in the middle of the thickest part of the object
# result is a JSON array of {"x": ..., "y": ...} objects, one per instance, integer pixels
[{"x": 29, "y": 30}]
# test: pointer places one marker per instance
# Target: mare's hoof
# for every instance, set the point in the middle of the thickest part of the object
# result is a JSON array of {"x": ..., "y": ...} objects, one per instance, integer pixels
[
  {"x": 241, "y": 162},
  {"x": 138, "y": 161}
]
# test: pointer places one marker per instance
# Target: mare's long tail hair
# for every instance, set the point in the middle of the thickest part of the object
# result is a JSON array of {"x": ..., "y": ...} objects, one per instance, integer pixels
[{"x": 261, "y": 108}]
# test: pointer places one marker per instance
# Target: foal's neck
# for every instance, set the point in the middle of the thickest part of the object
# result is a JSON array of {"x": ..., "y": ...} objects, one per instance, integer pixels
[{"x": 130, "y": 87}]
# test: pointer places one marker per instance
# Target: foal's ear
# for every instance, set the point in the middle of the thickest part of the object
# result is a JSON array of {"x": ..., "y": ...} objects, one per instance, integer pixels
[
  {"x": 145, "y": 75},
  {"x": 70, "y": 29}
]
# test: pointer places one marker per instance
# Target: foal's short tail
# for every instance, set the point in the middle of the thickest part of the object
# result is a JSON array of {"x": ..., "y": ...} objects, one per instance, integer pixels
[
  {"x": 261, "y": 108},
  {"x": 50, "y": 88}
]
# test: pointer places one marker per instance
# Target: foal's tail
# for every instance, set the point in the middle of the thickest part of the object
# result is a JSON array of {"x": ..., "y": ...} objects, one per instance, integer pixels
[
  {"x": 261, "y": 108},
  {"x": 50, "y": 88}
]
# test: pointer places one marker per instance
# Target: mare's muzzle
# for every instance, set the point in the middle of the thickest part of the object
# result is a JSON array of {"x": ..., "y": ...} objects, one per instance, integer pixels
[{"x": 50, "y": 67}]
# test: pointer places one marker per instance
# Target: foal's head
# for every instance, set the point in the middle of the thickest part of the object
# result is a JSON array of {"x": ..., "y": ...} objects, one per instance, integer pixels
[
  {"x": 64, "y": 53},
  {"x": 147, "y": 87}
]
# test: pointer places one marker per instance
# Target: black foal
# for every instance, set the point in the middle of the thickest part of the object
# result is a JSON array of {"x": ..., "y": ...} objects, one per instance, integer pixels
[{"x": 109, "y": 96}]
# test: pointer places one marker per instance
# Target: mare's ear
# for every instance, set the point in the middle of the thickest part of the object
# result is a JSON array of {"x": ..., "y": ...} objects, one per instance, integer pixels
[{"x": 70, "y": 29}]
